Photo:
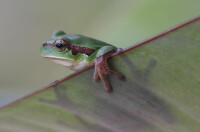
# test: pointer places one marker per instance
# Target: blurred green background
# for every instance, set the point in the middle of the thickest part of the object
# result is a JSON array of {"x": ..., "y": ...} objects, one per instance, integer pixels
[{"x": 26, "y": 23}]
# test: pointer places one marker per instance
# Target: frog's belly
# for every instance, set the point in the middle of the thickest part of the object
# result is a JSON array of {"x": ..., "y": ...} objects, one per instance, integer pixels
[{"x": 80, "y": 65}]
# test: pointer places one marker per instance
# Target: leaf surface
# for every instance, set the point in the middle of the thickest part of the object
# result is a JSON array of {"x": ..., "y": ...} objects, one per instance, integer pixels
[{"x": 161, "y": 92}]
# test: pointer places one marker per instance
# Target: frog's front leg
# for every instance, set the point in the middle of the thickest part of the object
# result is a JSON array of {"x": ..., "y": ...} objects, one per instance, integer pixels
[{"x": 102, "y": 69}]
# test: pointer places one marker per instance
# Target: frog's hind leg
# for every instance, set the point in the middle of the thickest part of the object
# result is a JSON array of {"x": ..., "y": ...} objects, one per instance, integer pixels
[{"x": 102, "y": 70}]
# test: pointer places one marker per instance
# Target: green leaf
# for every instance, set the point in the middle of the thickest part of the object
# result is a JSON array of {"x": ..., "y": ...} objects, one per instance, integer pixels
[{"x": 161, "y": 92}]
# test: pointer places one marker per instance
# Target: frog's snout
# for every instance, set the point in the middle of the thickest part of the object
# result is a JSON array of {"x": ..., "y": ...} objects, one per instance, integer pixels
[{"x": 47, "y": 44}]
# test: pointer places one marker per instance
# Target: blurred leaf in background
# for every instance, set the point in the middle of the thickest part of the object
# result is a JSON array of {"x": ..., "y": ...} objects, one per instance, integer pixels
[{"x": 25, "y": 24}]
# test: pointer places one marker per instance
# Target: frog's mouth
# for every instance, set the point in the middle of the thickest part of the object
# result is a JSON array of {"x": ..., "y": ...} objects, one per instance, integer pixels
[{"x": 64, "y": 62}]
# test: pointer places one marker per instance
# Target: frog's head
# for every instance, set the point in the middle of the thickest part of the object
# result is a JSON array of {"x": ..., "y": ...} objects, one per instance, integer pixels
[{"x": 57, "y": 48}]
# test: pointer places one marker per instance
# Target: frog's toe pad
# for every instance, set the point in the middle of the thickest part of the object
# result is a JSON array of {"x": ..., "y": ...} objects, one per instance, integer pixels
[
  {"x": 54, "y": 82},
  {"x": 119, "y": 49},
  {"x": 117, "y": 75},
  {"x": 96, "y": 79},
  {"x": 122, "y": 77}
]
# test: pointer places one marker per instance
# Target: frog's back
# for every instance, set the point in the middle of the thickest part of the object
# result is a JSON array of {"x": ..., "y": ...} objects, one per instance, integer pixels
[{"x": 84, "y": 41}]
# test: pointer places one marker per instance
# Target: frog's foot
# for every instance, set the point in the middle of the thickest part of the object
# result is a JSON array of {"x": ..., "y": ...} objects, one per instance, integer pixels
[
  {"x": 54, "y": 82},
  {"x": 102, "y": 70}
]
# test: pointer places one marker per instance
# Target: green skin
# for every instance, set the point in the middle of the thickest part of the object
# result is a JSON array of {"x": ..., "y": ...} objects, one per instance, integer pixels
[
  {"x": 101, "y": 52},
  {"x": 78, "y": 40}
]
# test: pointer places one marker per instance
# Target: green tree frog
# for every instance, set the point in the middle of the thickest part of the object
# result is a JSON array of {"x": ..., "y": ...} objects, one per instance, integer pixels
[{"x": 78, "y": 51}]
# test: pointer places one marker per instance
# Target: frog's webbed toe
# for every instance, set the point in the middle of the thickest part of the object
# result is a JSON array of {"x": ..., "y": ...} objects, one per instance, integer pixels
[{"x": 102, "y": 70}]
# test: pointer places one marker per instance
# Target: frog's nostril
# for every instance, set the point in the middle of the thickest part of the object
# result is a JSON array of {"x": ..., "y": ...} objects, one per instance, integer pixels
[
  {"x": 48, "y": 44},
  {"x": 45, "y": 44}
]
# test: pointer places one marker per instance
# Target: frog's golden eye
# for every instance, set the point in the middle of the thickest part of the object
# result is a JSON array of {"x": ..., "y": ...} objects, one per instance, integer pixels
[{"x": 60, "y": 45}]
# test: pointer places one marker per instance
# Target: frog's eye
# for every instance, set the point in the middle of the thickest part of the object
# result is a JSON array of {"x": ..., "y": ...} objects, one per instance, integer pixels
[{"x": 60, "y": 45}]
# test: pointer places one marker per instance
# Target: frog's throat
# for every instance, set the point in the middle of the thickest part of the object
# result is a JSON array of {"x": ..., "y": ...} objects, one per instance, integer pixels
[
  {"x": 73, "y": 65},
  {"x": 64, "y": 62}
]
